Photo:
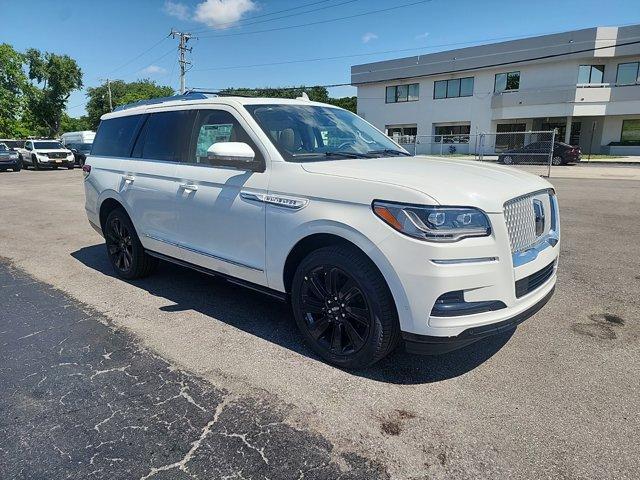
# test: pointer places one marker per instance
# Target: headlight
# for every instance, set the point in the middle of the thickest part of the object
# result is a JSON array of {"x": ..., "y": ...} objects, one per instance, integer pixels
[{"x": 434, "y": 223}]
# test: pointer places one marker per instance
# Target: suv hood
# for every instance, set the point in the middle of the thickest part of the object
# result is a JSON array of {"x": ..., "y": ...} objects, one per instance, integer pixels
[
  {"x": 52, "y": 150},
  {"x": 449, "y": 182}
]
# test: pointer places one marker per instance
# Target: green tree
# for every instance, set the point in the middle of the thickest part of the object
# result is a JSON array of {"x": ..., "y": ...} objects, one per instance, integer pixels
[
  {"x": 316, "y": 94},
  {"x": 348, "y": 103},
  {"x": 121, "y": 94},
  {"x": 54, "y": 77},
  {"x": 12, "y": 83},
  {"x": 71, "y": 124}
]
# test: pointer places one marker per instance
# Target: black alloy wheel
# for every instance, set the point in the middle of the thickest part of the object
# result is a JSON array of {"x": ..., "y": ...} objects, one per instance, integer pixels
[
  {"x": 119, "y": 245},
  {"x": 335, "y": 310},
  {"x": 126, "y": 254},
  {"x": 343, "y": 307}
]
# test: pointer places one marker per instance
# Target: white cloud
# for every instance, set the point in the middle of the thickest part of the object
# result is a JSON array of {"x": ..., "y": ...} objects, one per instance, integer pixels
[
  {"x": 176, "y": 9},
  {"x": 153, "y": 70},
  {"x": 422, "y": 36},
  {"x": 367, "y": 37},
  {"x": 221, "y": 14}
]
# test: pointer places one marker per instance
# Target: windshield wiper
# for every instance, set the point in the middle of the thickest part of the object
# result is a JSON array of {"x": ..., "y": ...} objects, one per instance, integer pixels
[
  {"x": 320, "y": 155},
  {"x": 346, "y": 154},
  {"x": 390, "y": 151}
]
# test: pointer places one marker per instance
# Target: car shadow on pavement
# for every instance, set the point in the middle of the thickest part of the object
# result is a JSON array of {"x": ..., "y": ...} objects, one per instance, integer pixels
[{"x": 271, "y": 320}]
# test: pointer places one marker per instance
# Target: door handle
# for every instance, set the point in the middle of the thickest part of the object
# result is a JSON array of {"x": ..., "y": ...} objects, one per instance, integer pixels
[
  {"x": 129, "y": 178},
  {"x": 190, "y": 187}
]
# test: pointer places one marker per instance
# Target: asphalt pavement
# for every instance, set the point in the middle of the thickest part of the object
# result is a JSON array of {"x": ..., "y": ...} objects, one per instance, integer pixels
[
  {"x": 81, "y": 399},
  {"x": 557, "y": 398}
]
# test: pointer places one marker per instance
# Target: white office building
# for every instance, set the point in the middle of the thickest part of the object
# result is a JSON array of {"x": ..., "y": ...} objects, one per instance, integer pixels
[{"x": 584, "y": 83}]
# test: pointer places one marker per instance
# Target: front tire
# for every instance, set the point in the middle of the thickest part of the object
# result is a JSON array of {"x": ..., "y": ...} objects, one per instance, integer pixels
[
  {"x": 126, "y": 254},
  {"x": 34, "y": 162},
  {"x": 343, "y": 307},
  {"x": 508, "y": 160}
]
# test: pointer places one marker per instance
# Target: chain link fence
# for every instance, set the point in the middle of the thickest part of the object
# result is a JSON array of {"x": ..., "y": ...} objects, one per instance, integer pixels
[{"x": 533, "y": 150}]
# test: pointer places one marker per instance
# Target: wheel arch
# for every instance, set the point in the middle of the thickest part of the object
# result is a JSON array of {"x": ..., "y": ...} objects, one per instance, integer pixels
[
  {"x": 108, "y": 202},
  {"x": 345, "y": 235}
]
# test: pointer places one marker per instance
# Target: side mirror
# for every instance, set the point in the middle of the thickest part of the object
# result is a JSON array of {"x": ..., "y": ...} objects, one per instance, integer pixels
[
  {"x": 230, "y": 154},
  {"x": 74, "y": 150}
]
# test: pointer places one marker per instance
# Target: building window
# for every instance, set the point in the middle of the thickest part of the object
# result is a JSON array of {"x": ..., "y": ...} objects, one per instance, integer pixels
[
  {"x": 457, "y": 87},
  {"x": 452, "y": 133},
  {"x": 630, "y": 131},
  {"x": 403, "y": 93},
  {"x": 506, "y": 82},
  {"x": 403, "y": 134},
  {"x": 628, "y": 73},
  {"x": 590, "y": 74}
]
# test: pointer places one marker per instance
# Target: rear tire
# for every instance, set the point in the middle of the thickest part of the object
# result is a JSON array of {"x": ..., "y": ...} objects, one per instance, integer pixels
[
  {"x": 343, "y": 307},
  {"x": 126, "y": 254},
  {"x": 508, "y": 160},
  {"x": 556, "y": 161}
]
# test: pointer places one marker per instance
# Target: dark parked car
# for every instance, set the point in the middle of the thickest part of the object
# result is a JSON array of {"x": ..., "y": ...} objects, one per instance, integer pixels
[
  {"x": 9, "y": 159},
  {"x": 80, "y": 152},
  {"x": 537, "y": 152},
  {"x": 12, "y": 143}
]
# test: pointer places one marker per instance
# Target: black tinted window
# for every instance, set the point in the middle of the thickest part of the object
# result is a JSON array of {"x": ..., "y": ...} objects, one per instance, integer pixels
[
  {"x": 115, "y": 135},
  {"x": 165, "y": 136},
  {"x": 215, "y": 126}
]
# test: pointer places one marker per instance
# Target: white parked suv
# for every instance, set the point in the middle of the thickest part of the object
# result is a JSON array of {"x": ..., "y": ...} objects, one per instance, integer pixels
[
  {"x": 312, "y": 204},
  {"x": 46, "y": 154}
]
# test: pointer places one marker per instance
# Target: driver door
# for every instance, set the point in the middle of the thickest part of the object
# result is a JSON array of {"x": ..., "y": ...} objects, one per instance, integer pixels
[{"x": 221, "y": 225}]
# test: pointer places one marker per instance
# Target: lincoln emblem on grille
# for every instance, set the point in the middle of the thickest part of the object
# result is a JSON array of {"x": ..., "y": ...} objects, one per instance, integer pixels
[{"x": 538, "y": 211}]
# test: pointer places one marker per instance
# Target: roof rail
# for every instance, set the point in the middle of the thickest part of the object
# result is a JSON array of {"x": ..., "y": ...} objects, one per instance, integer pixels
[{"x": 188, "y": 95}]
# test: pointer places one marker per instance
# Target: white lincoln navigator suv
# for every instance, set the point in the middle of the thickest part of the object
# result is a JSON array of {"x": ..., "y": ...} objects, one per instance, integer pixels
[{"x": 312, "y": 204}]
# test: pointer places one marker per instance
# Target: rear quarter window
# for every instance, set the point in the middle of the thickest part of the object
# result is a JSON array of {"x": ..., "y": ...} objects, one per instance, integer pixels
[{"x": 115, "y": 136}]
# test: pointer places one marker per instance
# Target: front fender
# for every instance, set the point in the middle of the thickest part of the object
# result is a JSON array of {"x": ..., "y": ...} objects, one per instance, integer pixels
[{"x": 276, "y": 258}]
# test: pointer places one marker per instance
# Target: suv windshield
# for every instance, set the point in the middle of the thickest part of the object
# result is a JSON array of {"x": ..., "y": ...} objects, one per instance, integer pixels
[
  {"x": 311, "y": 133},
  {"x": 47, "y": 145}
]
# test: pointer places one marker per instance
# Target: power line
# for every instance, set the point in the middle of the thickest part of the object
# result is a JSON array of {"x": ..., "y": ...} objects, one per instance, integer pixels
[
  {"x": 247, "y": 21},
  {"x": 319, "y": 22},
  {"x": 383, "y": 52},
  {"x": 499, "y": 64},
  {"x": 138, "y": 56},
  {"x": 531, "y": 59}
]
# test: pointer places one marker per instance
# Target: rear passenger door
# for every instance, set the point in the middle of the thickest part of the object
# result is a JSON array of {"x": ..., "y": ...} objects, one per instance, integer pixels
[
  {"x": 149, "y": 183},
  {"x": 221, "y": 225}
]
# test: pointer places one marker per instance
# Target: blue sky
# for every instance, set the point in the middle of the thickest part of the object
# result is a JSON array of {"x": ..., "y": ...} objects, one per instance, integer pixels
[{"x": 114, "y": 39}]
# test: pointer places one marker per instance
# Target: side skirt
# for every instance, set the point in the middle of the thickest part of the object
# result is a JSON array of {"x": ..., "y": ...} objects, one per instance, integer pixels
[{"x": 283, "y": 297}]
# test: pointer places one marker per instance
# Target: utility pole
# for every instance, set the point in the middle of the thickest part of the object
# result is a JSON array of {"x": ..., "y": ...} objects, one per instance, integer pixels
[
  {"x": 109, "y": 93},
  {"x": 182, "y": 48}
]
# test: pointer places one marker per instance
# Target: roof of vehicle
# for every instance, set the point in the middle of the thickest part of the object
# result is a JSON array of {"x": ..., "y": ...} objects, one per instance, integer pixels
[{"x": 192, "y": 99}]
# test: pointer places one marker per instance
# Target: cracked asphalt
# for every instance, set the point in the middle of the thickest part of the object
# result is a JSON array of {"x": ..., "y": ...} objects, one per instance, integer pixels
[
  {"x": 558, "y": 398},
  {"x": 80, "y": 399}
]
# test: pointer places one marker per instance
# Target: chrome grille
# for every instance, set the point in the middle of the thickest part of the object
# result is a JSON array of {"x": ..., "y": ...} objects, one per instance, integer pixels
[{"x": 521, "y": 220}]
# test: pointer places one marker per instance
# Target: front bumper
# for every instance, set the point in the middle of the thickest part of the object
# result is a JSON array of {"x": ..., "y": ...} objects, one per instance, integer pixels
[
  {"x": 10, "y": 163},
  {"x": 482, "y": 272},
  {"x": 430, "y": 345},
  {"x": 55, "y": 163}
]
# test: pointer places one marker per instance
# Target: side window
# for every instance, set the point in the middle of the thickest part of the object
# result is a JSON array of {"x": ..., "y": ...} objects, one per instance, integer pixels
[
  {"x": 214, "y": 126},
  {"x": 115, "y": 135},
  {"x": 165, "y": 136}
]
